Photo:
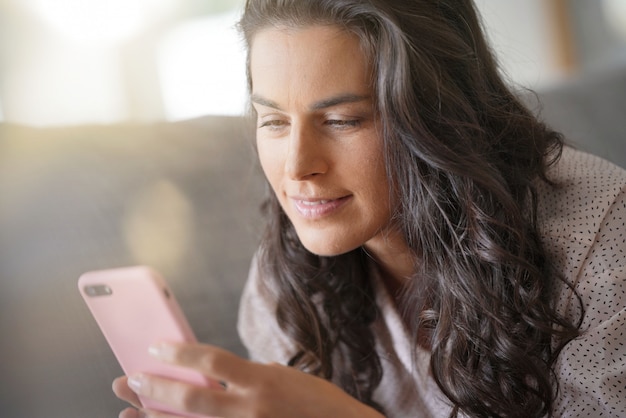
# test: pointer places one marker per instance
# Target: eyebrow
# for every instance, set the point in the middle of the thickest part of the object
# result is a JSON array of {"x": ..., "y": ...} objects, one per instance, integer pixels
[{"x": 322, "y": 104}]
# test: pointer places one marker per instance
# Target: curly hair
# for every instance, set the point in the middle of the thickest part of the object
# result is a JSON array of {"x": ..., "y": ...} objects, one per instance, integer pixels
[{"x": 464, "y": 156}]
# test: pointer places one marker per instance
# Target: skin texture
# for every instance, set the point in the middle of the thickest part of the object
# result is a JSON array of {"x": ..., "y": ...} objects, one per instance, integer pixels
[
  {"x": 317, "y": 136},
  {"x": 318, "y": 142}
]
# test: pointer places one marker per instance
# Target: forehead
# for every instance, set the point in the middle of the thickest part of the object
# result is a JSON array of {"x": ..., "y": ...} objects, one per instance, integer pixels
[{"x": 310, "y": 61}]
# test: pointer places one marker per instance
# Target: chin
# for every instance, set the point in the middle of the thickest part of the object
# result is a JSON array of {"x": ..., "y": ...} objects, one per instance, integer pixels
[{"x": 328, "y": 248}]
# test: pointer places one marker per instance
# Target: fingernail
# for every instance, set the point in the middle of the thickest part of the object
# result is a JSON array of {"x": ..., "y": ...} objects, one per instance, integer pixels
[
  {"x": 155, "y": 350},
  {"x": 135, "y": 382},
  {"x": 161, "y": 350}
]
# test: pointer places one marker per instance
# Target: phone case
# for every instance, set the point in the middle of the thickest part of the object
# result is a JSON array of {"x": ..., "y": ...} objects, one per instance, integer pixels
[{"x": 134, "y": 308}]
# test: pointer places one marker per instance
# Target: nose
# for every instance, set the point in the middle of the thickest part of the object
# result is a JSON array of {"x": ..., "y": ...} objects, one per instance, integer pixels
[{"x": 305, "y": 154}]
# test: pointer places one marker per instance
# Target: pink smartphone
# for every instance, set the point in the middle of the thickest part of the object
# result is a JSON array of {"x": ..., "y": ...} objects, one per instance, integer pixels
[{"x": 135, "y": 308}]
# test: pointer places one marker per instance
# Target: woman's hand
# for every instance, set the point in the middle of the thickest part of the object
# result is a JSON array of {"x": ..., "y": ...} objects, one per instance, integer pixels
[{"x": 251, "y": 389}]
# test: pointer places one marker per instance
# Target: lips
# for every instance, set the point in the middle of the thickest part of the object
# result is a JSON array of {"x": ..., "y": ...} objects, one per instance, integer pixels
[{"x": 318, "y": 208}]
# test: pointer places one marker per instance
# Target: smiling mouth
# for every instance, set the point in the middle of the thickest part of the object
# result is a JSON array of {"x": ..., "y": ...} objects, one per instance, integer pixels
[
  {"x": 313, "y": 202},
  {"x": 313, "y": 209}
]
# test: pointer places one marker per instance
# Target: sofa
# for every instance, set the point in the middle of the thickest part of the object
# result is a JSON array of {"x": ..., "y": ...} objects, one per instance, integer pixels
[{"x": 183, "y": 197}]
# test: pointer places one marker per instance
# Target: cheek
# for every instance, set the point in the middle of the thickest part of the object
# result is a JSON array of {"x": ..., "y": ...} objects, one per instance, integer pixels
[
  {"x": 372, "y": 162},
  {"x": 271, "y": 163},
  {"x": 381, "y": 196}
]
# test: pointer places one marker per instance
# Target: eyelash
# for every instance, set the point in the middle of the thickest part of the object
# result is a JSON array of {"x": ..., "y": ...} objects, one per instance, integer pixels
[
  {"x": 343, "y": 123},
  {"x": 335, "y": 123},
  {"x": 273, "y": 124}
]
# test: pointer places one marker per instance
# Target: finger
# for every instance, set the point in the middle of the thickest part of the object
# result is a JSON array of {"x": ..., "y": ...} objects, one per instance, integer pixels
[
  {"x": 134, "y": 413},
  {"x": 184, "y": 396},
  {"x": 122, "y": 391},
  {"x": 157, "y": 414},
  {"x": 131, "y": 413},
  {"x": 209, "y": 360}
]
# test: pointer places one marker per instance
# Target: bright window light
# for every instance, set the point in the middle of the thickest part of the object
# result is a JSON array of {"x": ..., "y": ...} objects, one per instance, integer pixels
[
  {"x": 615, "y": 12},
  {"x": 202, "y": 68},
  {"x": 65, "y": 84},
  {"x": 517, "y": 32},
  {"x": 100, "y": 21}
]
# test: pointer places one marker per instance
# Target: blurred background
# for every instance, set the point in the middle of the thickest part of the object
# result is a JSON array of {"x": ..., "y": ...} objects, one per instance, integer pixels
[
  {"x": 103, "y": 61},
  {"x": 65, "y": 62},
  {"x": 121, "y": 144}
]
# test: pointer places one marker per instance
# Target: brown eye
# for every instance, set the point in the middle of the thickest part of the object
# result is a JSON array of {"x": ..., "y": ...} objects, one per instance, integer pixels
[
  {"x": 343, "y": 123},
  {"x": 275, "y": 124}
]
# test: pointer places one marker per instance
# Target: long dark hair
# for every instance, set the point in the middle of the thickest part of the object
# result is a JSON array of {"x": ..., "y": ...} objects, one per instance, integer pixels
[{"x": 463, "y": 155}]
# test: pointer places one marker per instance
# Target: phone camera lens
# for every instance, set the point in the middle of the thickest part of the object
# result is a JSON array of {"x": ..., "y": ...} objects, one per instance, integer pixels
[{"x": 98, "y": 290}]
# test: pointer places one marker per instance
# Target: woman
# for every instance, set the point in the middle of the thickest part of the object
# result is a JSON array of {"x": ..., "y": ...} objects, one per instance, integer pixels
[{"x": 432, "y": 248}]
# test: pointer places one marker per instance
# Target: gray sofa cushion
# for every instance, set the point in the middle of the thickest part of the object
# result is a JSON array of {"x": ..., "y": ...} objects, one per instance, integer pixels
[{"x": 590, "y": 111}]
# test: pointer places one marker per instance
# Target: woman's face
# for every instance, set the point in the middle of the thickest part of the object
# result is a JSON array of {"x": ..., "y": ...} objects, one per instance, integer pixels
[{"x": 318, "y": 137}]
